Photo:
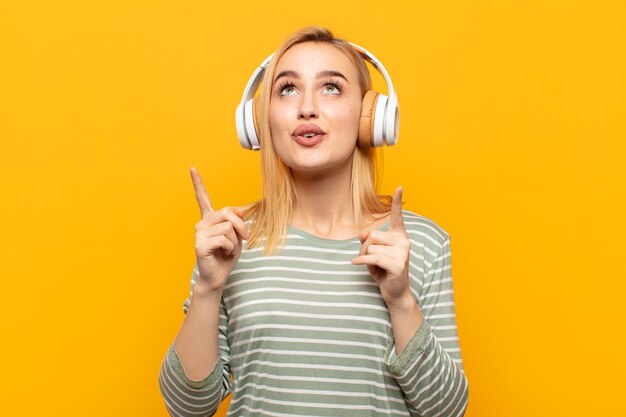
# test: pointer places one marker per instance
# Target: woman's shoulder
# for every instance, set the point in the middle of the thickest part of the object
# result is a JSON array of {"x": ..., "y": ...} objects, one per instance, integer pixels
[{"x": 422, "y": 227}]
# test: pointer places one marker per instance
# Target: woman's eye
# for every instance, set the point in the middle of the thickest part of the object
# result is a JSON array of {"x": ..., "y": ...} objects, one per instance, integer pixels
[
  {"x": 288, "y": 90},
  {"x": 330, "y": 88}
]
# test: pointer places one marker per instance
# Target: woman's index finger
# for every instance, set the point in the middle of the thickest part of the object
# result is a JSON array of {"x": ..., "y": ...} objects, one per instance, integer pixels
[
  {"x": 204, "y": 202},
  {"x": 397, "y": 221}
]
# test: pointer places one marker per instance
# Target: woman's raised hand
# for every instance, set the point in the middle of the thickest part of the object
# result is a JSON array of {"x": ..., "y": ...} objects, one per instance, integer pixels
[
  {"x": 218, "y": 238},
  {"x": 386, "y": 255}
]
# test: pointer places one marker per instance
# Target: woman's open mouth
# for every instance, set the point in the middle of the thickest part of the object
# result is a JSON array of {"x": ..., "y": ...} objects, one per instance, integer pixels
[
  {"x": 309, "y": 139},
  {"x": 308, "y": 134}
]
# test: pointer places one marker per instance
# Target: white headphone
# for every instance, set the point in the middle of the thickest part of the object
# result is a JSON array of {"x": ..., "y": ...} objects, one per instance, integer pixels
[{"x": 380, "y": 114}]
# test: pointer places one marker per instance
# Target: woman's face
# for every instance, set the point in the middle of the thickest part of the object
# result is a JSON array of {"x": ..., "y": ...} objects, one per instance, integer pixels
[{"x": 315, "y": 90}]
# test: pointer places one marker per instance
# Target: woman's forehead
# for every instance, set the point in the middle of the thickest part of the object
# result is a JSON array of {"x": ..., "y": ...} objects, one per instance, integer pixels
[{"x": 310, "y": 58}]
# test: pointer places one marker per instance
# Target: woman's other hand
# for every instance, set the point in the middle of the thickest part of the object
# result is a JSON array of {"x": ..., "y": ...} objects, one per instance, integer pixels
[
  {"x": 386, "y": 255},
  {"x": 218, "y": 239}
]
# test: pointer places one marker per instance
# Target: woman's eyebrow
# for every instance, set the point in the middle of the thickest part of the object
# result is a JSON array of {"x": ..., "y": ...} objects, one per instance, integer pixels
[{"x": 295, "y": 74}]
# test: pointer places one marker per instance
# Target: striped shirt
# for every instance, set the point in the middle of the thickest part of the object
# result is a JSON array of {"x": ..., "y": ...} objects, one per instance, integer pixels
[{"x": 306, "y": 333}]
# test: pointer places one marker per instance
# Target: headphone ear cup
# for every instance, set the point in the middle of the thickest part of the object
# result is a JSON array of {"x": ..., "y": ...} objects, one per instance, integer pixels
[
  {"x": 392, "y": 121},
  {"x": 249, "y": 136},
  {"x": 366, "y": 122},
  {"x": 257, "y": 116},
  {"x": 240, "y": 117},
  {"x": 379, "y": 121}
]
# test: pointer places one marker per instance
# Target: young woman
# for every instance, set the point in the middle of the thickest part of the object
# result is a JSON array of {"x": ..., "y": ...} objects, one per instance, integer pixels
[{"x": 322, "y": 298}]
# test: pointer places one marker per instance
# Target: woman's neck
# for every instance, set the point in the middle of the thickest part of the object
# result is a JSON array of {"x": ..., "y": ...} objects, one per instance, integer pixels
[{"x": 324, "y": 205}]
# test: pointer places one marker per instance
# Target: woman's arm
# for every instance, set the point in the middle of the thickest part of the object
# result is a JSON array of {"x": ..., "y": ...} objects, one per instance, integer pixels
[
  {"x": 195, "y": 374},
  {"x": 197, "y": 339},
  {"x": 429, "y": 368}
]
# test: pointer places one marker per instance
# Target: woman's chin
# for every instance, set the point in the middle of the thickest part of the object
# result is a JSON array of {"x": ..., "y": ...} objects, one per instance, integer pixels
[{"x": 316, "y": 169}]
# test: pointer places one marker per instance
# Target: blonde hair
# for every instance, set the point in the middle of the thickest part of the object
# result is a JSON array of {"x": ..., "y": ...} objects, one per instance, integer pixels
[{"x": 272, "y": 214}]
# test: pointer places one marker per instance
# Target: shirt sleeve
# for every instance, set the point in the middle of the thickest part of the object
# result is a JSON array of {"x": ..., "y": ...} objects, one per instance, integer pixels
[
  {"x": 184, "y": 397},
  {"x": 429, "y": 370}
]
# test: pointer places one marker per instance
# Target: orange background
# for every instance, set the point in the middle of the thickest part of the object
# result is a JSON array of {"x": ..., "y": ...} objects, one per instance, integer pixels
[{"x": 509, "y": 139}]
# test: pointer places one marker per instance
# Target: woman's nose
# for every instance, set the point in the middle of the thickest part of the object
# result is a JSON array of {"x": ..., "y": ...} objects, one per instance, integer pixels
[{"x": 308, "y": 106}]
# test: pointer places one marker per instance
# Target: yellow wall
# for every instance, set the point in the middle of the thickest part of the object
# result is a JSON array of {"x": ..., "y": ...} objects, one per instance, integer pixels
[{"x": 509, "y": 140}]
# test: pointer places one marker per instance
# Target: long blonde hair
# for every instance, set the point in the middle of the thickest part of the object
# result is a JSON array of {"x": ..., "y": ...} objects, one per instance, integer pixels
[{"x": 272, "y": 214}]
